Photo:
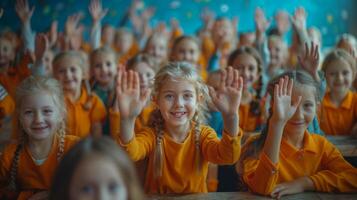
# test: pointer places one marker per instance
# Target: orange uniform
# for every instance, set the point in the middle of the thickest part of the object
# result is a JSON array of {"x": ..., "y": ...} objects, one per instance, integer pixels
[
  {"x": 14, "y": 75},
  {"x": 123, "y": 58},
  {"x": 80, "y": 118},
  {"x": 7, "y": 105},
  {"x": 179, "y": 174},
  {"x": 248, "y": 122},
  {"x": 140, "y": 122},
  {"x": 318, "y": 159},
  {"x": 338, "y": 120},
  {"x": 30, "y": 176}
]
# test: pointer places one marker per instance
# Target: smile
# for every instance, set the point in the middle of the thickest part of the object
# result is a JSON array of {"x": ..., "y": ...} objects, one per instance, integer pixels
[{"x": 178, "y": 114}]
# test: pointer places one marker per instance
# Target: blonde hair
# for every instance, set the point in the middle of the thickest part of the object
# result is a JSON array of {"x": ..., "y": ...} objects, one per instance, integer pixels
[
  {"x": 29, "y": 87},
  {"x": 342, "y": 55},
  {"x": 141, "y": 58},
  {"x": 102, "y": 51},
  {"x": 74, "y": 54},
  {"x": 178, "y": 71}
]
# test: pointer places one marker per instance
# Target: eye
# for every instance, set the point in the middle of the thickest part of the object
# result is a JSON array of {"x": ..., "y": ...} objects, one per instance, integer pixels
[
  {"x": 109, "y": 64},
  {"x": 169, "y": 96},
  {"x": 346, "y": 72},
  {"x": 188, "y": 96},
  {"x": 251, "y": 68},
  {"x": 48, "y": 111},
  {"x": 98, "y": 65},
  {"x": 28, "y": 112},
  {"x": 113, "y": 187},
  {"x": 73, "y": 69},
  {"x": 87, "y": 189}
]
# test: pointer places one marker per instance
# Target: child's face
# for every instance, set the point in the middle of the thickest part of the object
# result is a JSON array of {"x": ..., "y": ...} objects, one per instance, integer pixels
[
  {"x": 306, "y": 110},
  {"x": 69, "y": 73},
  {"x": 157, "y": 48},
  {"x": 97, "y": 177},
  {"x": 339, "y": 76},
  {"x": 187, "y": 50},
  {"x": 177, "y": 102},
  {"x": 124, "y": 42},
  {"x": 104, "y": 68},
  {"x": 146, "y": 74},
  {"x": 39, "y": 116},
  {"x": 222, "y": 31},
  {"x": 277, "y": 53},
  {"x": 247, "y": 66},
  {"x": 7, "y": 53},
  {"x": 108, "y": 35}
]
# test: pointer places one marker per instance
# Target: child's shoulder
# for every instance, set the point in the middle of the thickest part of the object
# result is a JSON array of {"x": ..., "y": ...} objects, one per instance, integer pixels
[{"x": 9, "y": 152}]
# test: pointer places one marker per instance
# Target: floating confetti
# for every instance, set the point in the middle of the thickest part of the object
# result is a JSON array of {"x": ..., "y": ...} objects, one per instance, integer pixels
[
  {"x": 329, "y": 18},
  {"x": 344, "y": 14},
  {"x": 224, "y": 8},
  {"x": 175, "y": 4}
]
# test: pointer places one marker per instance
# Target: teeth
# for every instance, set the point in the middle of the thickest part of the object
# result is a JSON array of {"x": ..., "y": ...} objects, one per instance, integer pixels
[{"x": 178, "y": 114}]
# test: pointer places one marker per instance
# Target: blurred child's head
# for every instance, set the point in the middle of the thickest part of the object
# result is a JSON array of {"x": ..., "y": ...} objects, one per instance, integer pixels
[
  {"x": 247, "y": 39},
  {"x": 278, "y": 51},
  {"x": 347, "y": 42},
  {"x": 156, "y": 46},
  {"x": 103, "y": 66},
  {"x": 180, "y": 96},
  {"x": 144, "y": 65},
  {"x": 40, "y": 107},
  {"x": 340, "y": 70},
  {"x": 108, "y": 33},
  {"x": 96, "y": 169},
  {"x": 47, "y": 61},
  {"x": 123, "y": 40},
  {"x": 222, "y": 31},
  {"x": 7, "y": 50},
  {"x": 69, "y": 68},
  {"x": 186, "y": 48},
  {"x": 249, "y": 64}
]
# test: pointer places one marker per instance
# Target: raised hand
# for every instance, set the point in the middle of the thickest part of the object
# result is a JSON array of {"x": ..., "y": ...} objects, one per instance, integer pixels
[
  {"x": 96, "y": 11},
  {"x": 299, "y": 19},
  {"x": 41, "y": 46},
  {"x": 283, "y": 108},
  {"x": 293, "y": 187},
  {"x": 130, "y": 99},
  {"x": 72, "y": 23},
  {"x": 228, "y": 95},
  {"x": 282, "y": 21},
  {"x": 310, "y": 61},
  {"x": 23, "y": 11},
  {"x": 53, "y": 34},
  {"x": 261, "y": 22},
  {"x": 1, "y": 12}
]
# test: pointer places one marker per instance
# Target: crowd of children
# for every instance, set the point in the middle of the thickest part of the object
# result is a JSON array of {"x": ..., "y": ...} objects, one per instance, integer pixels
[{"x": 203, "y": 113}]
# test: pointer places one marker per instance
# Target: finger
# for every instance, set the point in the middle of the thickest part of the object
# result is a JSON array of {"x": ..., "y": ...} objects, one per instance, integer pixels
[
  {"x": 223, "y": 78},
  {"x": 235, "y": 79},
  {"x": 285, "y": 86},
  {"x": 212, "y": 93},
  {"x": 297, "y": 103},
  {"x": 136, "y": 84},
  {"x": 281, "y": 83},
  {"x": 130, "y": 79},
  {"x": 290, "y": 86},
  {"x": 276, "y": 92},
  {"x": 306, "y": 50},
  {"x": 312, "y": 49},
  {"x": 229, "y": 77},
  {"x": 124, "y": 82}
]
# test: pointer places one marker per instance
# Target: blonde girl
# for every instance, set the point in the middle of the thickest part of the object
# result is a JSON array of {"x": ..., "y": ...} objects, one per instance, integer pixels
[
  {"x": 27, "y": 166},
  {"x": 286, "y": 158},
  {"x": 85, "y": 111},
  {"x": 179, "y": 147}
]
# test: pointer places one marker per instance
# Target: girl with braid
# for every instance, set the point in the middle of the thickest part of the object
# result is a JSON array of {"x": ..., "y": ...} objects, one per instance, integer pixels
[
  {"x": 27, "y": 166},
  {"x": 176, "y": 142}
]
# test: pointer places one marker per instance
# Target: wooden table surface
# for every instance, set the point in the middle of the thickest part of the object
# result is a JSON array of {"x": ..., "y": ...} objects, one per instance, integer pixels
[
  {"x": 346, "y": 144},
  {"x": 247, "y": 196}
]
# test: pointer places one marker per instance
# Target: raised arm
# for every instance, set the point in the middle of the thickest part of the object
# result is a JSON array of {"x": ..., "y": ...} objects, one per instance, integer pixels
[
  {"x": 97, "y": 13},
  {"x": 130, "y": 101},
  {"x": 227, "y": 99},
  {"x": 24, "y": 12}
]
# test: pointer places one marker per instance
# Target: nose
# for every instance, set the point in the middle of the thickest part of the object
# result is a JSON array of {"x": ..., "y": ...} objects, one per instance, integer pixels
[
  {"x": 179, "y": 102},
  {"x": 339, "y": 76},
  {"x": 298, "y": 113},
  {"x": 38, "y": 117}
]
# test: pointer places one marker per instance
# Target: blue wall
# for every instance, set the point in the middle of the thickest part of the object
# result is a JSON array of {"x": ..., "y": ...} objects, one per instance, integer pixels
[{"x": 331, "y": 16}]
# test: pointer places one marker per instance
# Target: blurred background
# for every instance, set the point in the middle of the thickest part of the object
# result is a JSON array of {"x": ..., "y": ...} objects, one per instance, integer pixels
[{"x": 332, "y": 17}]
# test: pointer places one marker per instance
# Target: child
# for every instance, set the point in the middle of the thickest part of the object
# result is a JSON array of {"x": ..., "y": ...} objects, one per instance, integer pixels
[
  {"x": 95, "y": 169},
  {"x": 156, "y": 46},
  {"x": 339, "y": 107},
  {"x": 124, "y": 45},
  {"x": 187, "y": 48},
  {"x": 248, "y": 62},
  {"x": 178, "y": 146},
  {"x": 85, "y": 111},
  {"x": 28, "y": 165},
  {"x": 286, "y": 158}
]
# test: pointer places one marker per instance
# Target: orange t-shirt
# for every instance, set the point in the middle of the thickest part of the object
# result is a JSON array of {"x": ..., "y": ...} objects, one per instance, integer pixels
[
  {"x": 338, "y": 120},
  {"x": 80, "y": 118},
  {"x": 7, "y": 105},
  {"x": 30, "y": 176},
  {"x": 123, "y": 58},
  {"x": 179, "y": 174},
  {"x": 319, "y": 160},
  {"x": 14, "y": 75},
  {"x": 248, "y": 122}
]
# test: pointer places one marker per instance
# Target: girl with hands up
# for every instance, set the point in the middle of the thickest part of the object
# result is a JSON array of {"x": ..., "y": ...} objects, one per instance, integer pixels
[
  {"x": 178, "y": 146},
  {"x": 286, "y": 158}
]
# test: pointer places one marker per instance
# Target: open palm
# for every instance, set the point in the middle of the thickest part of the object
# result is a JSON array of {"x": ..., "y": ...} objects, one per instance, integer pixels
[{"x": 227, "y": 97}]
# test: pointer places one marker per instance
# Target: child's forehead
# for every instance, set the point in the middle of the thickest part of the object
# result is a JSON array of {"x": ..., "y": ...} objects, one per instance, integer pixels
[
  {"x": 307, "y": 92},
  {"x": 177, "y": 84}
]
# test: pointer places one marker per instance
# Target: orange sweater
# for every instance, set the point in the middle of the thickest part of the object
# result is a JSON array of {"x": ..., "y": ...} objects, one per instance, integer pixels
[
  {"x": 12, "y": 78},
  {"x": 31, "y": 177},
  {"x": 7, "y": 105},
  {"x": 79, "y": 119},
  {"x": 179, "y": 169},
  {"x": 248, "y": 122},
  {"x": 338, "y": 120},
  {"x": 318, "y": 159}
]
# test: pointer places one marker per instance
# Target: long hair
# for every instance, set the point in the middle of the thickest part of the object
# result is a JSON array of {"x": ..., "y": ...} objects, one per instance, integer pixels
[
  {"x": 105, "y": 147},
  {"x": 342, "y": 55},
  {"x": 35, "y": 85},
  {"x": 178, "y": 71}
]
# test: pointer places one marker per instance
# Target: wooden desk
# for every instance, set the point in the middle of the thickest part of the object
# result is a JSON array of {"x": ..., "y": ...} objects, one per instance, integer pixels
[
  {"x": 346, "y": 144},
  {"x": 247, "y": 196}
]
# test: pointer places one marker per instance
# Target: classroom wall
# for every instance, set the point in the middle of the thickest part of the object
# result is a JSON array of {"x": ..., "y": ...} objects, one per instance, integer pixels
[{"x": 331, "y": 16}]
